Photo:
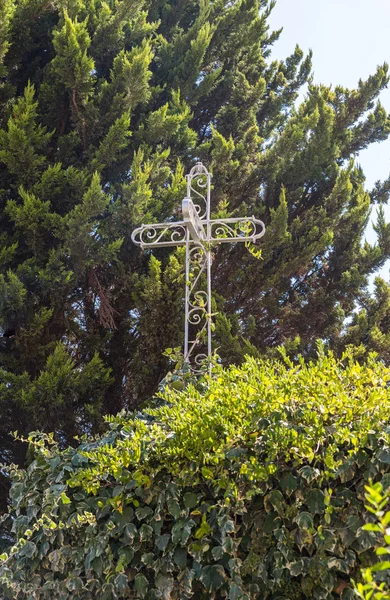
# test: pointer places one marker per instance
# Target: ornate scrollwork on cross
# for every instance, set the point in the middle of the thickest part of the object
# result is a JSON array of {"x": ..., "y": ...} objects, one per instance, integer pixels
[
  {"x": 160, "y": 234},
  {"x": 197, "y": 317},
  {"x": 198, "y": 189},
  {"x": 247, "y": 229}
]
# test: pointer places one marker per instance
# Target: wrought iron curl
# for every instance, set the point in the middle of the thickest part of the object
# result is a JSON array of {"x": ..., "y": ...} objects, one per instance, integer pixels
[
  {"x": 236, "y": 229},
  {"x": 199, "y": 364},
  {"x": 198, "y": 179},
  {"x": 197, "y": 254},
  {"x": 197, "y": 299},
  {"x": 164, "y": 234},
  {"x": 198, "y": 307},
  {"x": 221, "y": 230}
]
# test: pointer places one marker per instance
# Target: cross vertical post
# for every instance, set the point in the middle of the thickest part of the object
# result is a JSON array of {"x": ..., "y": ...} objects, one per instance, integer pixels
[
  {"x": 198, "y": 233},
  {"x": 196, "y": 212}
]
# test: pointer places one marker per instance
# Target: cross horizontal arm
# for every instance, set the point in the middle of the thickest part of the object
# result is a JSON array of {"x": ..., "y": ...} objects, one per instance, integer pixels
[
  {"x": 157, "y": 235},
  {"x": 160, "y": 234}
]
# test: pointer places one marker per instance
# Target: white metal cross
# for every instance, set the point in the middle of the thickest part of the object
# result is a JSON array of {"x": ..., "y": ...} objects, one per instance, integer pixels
[{"x": 198, "y": 233}]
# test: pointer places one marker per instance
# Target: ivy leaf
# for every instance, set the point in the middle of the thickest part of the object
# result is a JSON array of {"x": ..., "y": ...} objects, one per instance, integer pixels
[
  {"x": 226, "y": 524},
  {"x": 217, "y": 552},
  {"x": 382, "y": 566},
  {"x": 141, "y": 585},
  {"x": 296, "y": 568},
  {"x": 319, "y": 593},
  {"x": 97, "y": 565},
  {"x": 75, "y": 584},
  {"x": 366, "y": 539},
  {"x": 177, "y": 531},
  {"x": 236, "y": 592},
  {"x": 89, "y": 558},
  {"x": 162, "y": 541},
  {"x": 165, "y": 585},
  {"x": 271, "y": 522},
  {"x": 143, "y": 512},
  {"x": 303, "y": 538},
  {"x": 28, "y": 550},
  {"x": 148, "y": 559},
  {"x": 190, "y": 500},
  {"x": 338, "y": 564},
  {"x": 288, "y": 483},
  {"x": 308, "y": 473},
  {"x": 384, "y": 455},
  {"x": 79, "y": 460},
  {"x": 174, "y": 508},
  {"x": 207, "y": 473},
  {"x": 65, "y": 499},
  {"x": 372, "y": 527},
  {"x": 304, "y": 520},
  {"x": 315, "y": 500},
  {"x": 129, "y": 533},
  {"x": 204, "y": 529},
  {"x": 108, "y": 592},
  {"x": 126, "y": 555},
  {"x": 213, "y": 577},
  {"x": 276, "y": 500},
  {"x": 186, "y": 531},
  {"x": 122, "y": 519},
  {"x": 17, "y": 492},
  {"x": 122, "y": 583},
  {"x": 145, "y": 533},
  {"x": 180, "y": 557}
]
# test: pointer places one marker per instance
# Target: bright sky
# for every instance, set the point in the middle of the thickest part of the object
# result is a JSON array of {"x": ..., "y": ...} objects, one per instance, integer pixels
[{"x": 349, "y": 38}]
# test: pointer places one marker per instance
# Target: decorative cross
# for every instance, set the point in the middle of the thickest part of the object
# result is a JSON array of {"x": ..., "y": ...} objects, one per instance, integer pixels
[{"x": 198, "y": 233}]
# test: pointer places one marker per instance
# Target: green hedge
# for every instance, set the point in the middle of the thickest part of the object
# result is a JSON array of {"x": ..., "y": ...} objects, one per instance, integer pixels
[{"x": 250, "y": 488}]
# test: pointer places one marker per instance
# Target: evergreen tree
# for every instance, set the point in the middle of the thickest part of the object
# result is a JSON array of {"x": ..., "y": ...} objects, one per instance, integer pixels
[
  {"x": 104, "y": 106},
  {"x": 369, "y": 328}
]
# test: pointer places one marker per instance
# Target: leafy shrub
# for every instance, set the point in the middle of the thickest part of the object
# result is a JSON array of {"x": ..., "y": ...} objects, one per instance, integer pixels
[{"x": 250, "y": 488}]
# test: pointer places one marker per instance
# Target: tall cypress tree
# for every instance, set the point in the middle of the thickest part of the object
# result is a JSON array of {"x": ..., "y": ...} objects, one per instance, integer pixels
[{"x": 103, "y": 108}]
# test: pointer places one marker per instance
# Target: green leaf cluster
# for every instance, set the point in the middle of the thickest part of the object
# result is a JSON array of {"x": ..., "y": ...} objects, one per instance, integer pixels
[
  {"x": 373, "y": 587},
  {"x": 253, "y": 487}
]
